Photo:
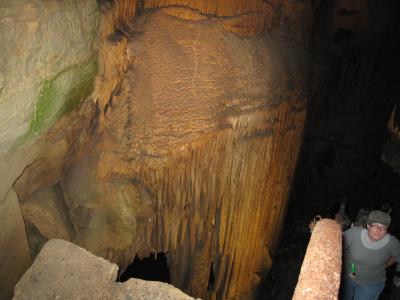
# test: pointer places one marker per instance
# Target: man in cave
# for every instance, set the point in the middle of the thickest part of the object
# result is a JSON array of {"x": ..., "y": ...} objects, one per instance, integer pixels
[{"x": 367, "y": 253}]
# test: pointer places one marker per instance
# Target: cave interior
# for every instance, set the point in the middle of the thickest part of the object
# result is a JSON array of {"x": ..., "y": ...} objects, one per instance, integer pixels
[{"x": 222, "y": 173}]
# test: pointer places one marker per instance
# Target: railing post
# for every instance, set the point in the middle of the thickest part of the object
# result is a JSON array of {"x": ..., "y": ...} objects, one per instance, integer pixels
[{"x": 320, "y": 273}]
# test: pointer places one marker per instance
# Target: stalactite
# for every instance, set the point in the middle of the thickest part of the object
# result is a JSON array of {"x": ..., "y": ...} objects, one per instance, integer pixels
[{"x": 114, "y": 57}]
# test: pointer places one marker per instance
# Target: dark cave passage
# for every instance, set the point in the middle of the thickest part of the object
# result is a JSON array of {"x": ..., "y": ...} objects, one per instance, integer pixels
[
  {"x": 153, "y": 268},
  {"x": 348, "y": 138},
  {"x": 281, "y": 279}
]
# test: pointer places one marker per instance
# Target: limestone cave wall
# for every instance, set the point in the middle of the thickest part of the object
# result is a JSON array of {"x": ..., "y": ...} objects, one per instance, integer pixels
[{"x": 186, "y": 145}]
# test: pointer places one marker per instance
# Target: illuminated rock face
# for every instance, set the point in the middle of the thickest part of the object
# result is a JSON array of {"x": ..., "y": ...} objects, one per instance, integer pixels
[
  {"x": 192, "y": 156},
  {"x": 195, "y": 156}
]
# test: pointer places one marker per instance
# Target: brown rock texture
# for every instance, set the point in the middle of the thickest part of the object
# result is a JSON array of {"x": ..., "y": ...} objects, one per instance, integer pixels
[
  {"x": 14, "y": 252},
  {"x": 320, "y": 272},
  {"x": 195, "y": 156},
  {"x": 188, "y": 147}
]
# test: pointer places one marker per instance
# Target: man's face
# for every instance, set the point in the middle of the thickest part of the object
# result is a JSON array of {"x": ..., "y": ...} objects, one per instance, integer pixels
[{"x": 376, "y": 231}]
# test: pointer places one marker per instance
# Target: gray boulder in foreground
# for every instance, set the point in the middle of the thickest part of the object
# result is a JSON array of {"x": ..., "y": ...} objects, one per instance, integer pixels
[{"x": 63, "y": 270}]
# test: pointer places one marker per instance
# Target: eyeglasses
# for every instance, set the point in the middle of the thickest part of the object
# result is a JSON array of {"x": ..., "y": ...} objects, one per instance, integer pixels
[{"x": 378, "y": 228}]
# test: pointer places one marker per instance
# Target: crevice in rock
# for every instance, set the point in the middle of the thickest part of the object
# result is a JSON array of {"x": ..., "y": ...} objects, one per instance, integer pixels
[
  {"x": 35, "y": 239},
  {"x": 153, "y": 267},
  {"x": 211, "y": 280}
]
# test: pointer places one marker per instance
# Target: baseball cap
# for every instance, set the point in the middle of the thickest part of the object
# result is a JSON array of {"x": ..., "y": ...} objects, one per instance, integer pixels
[{"x": 377, "y": 216}]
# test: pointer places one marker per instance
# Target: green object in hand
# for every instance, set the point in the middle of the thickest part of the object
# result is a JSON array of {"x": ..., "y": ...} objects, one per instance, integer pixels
[{"x": 353, "y": 268}]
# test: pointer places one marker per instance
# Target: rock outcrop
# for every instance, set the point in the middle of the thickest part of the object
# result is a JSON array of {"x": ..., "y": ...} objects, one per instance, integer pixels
[
  {"x": 48, "y": 63},
  {"x": 63, "y": 270}
]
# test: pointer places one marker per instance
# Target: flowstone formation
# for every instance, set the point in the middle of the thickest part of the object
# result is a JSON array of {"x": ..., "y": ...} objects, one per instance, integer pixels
[{"x": 187, "y": 146}]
